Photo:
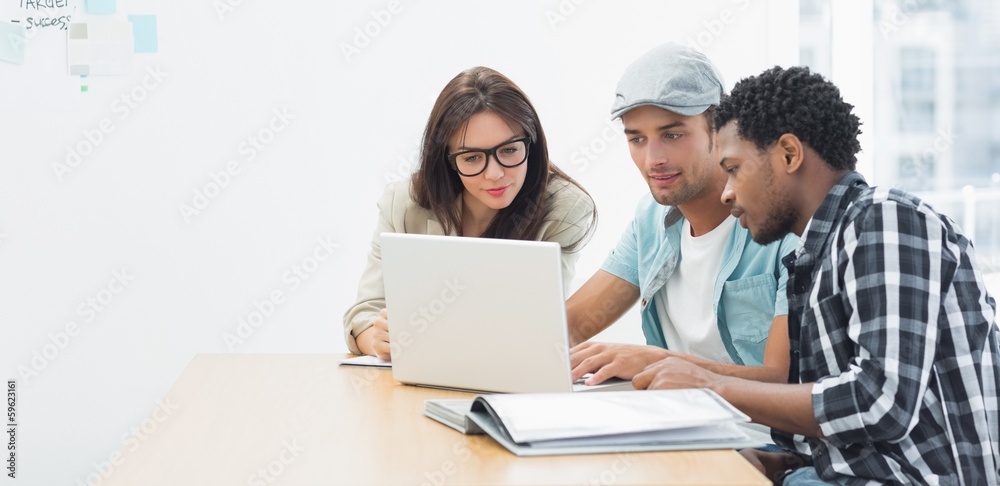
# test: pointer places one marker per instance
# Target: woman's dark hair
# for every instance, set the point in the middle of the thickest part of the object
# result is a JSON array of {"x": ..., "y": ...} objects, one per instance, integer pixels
[
  {"x": 796, "y": 101},
  {"x": 435, "y": 186}
]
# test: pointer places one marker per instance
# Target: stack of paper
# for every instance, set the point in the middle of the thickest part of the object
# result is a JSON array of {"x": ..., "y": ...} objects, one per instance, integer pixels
[
  {"x": 574, "y": 423},
  {"x": 453, "y": 413}
]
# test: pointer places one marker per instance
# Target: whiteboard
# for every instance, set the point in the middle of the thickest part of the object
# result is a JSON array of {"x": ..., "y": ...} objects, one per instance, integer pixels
[{"x": 230, "y": 180}]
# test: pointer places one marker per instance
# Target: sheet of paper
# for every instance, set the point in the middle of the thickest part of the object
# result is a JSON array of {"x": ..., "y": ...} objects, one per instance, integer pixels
[
  {"x": 100, "y": 48},
  {"x": 366, "y": 361},
  {"x": 454, "y": 407},
  {"x": 708, "y": 433},
  {"x": 532, "y": 417}
]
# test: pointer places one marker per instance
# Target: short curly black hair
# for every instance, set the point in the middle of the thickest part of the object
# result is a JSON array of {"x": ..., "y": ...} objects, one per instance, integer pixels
[{"x": 793, "y": 100}]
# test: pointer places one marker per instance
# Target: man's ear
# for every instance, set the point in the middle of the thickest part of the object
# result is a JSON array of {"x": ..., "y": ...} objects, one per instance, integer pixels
[{"x": 791, "y": 151}]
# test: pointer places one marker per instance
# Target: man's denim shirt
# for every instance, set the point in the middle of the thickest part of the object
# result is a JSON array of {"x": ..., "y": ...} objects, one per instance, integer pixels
[{"x": 749, "y": 290}]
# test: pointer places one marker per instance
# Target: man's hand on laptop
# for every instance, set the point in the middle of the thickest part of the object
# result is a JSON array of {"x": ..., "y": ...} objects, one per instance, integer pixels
[
  {"x": 376, "y": 337},
  {"x": 607, "y": 360}
]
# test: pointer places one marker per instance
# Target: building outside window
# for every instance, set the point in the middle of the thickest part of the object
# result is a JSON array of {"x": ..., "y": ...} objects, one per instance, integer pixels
[{"x": 935, "y": 105}]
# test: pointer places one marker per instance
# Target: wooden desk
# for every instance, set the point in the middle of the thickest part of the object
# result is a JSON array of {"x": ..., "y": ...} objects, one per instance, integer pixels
[{"x": 304, "y": 420}]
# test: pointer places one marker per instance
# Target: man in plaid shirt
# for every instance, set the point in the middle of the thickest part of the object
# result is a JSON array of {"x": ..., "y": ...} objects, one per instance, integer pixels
[{"x": 895, "y": 365}]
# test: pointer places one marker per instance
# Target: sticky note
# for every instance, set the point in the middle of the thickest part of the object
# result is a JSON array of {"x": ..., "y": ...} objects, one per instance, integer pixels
[
  {"x": 12, "y": 42},
  {"x": 77, "y": 30},
  {"x": 101, "y": 6},
  {"x": 144, "y": 31}
]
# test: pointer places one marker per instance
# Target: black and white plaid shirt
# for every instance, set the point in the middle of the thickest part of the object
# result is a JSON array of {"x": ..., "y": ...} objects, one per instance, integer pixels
[{"x": 890, "y": 319}]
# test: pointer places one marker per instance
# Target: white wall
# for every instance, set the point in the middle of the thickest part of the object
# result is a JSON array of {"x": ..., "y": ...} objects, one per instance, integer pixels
[{"x": 354, "y": 124}]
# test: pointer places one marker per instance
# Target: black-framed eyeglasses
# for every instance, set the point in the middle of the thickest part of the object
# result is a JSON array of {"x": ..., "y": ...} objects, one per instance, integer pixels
[{"x": 474, "y": 162}]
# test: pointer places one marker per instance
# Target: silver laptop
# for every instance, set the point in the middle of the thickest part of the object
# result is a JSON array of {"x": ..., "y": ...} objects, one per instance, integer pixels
[{"x": 478, "y": 314}]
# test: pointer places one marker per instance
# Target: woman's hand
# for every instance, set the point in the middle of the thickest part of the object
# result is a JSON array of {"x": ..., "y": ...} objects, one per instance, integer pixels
[{"x": 375, "y": 339}]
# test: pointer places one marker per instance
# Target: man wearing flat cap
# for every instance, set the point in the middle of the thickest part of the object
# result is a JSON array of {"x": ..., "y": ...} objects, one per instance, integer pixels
[{"x": 708, "y": 293}]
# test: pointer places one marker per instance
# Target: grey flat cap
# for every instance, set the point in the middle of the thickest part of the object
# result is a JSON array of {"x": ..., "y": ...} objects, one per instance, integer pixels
[{"x": 672, "y": 77}]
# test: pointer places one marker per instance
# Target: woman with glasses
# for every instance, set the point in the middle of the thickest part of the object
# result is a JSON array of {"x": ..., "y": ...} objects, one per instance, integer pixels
[{"x": 484, "y": 172}]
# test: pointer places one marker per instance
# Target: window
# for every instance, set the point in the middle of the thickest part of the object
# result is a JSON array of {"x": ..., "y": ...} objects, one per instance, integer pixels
[
  {"x": 814, "y": 36},
  {"x": 916, "y": 115},
  {"x": 935, "y": 102},
  {"x": 916, "y": 71},
  {"x": 916, "y": 172},
  {"x": 916, "y": 89},
  {"x": 937, "y": 110}
]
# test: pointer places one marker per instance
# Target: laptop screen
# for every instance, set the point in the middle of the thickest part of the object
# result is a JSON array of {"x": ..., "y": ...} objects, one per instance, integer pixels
[{"x": 476, "y": 313}]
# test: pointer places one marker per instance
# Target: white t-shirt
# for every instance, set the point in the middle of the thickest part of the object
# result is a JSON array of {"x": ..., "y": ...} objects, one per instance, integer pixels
[{"x": 685, "y": 304}]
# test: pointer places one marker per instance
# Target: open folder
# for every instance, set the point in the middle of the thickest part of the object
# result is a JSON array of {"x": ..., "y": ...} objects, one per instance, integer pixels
[{"x": 537, "y": 424}]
